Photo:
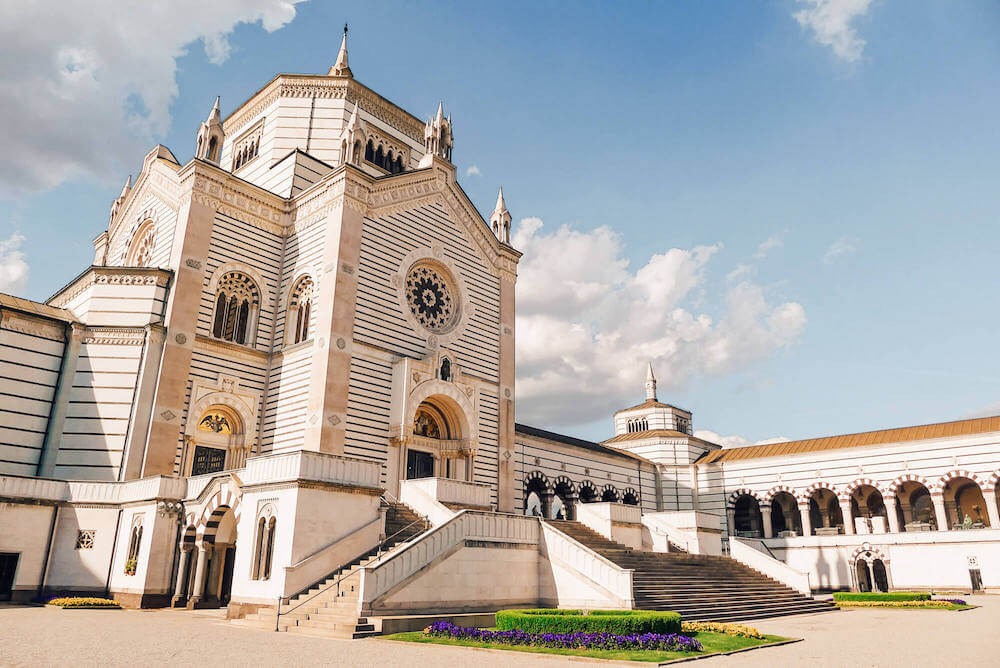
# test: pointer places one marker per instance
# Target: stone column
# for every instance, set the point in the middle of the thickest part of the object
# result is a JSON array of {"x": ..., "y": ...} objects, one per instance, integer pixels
[
  {"x": 60, "y": 401},
  {"x": 546, "y": 500},
  {"x": 805, "y": 519},
  {"x": 824, "y": 516},
  {"x": 990, "y": 497},
  {"x": 907, "y": 511},
  {"x": 198, "y": 586},
  {"x": 182, "y": 568},
  {"x": 731, "y": 519},
  {"x": 939, "y": 511},
  {"x": 845, "y": 512},
  {"x": 765, "y": 518},
  {"x": 188, "y": 260},
  {"x": 571, "y": 502},
  {"x": 890, "y": 511},
  {"x": 326, "y": 408}
]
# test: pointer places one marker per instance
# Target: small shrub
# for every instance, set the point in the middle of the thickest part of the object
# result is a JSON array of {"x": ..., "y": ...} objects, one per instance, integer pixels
[
  {"x": 84, "y": 602},
  {"x": 618, "y": 622},
  {"x": 738, "y": 630},
  {"x": 841, "y": 596}
]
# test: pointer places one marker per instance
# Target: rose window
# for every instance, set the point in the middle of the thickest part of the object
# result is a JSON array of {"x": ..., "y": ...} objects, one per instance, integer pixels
[{"x": 430, "y": 298}]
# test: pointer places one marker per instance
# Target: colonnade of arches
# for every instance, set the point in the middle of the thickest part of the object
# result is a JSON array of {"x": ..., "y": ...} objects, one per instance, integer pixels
[
  {"x": 957, "y": 500},
  {"x": 558, "y": 499}
]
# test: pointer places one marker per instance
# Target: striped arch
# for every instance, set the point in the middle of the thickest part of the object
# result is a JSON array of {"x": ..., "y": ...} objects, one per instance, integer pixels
[
  {"x": 993, "y": 479},
  {"x": 908, "y": 477},
  {"x": 848, "y": 491},
  {"x": 189, "y": 535},
  {"x": 211, "y": 515},
  {"x": 939, "y": 485},
  {"x": 743, "y": 491},
  {"x": 611, "y": 489},
  {"x": 633, "y": 492},
  {"x": 815, "y": 487},
  {"x": 588, "y": 485},
  {"x": 778, "y": 489},
  {"x": 540, "y": 477},
  {"x": 563, "y": 480},
  {"x": 868, "y": 552}
]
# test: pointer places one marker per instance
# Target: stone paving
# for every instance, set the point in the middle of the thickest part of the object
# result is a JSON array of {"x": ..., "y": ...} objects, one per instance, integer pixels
[{"x": 35, "y": 636}]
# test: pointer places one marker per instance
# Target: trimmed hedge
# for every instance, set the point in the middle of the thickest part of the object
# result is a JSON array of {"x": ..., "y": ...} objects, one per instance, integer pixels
[
  {"x": 881, "y": 596},
  {"x": 618, "y": 622}
]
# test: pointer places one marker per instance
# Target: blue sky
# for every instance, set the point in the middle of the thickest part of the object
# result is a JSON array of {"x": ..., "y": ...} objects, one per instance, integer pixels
[{"x": 840, "y": 168}]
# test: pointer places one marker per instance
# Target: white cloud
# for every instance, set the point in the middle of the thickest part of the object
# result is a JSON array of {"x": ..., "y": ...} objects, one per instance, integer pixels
[
  {"x": 840, "y": 248},
  {"x": 587, "y": 323},
  {"x": 830, "y": 23},
  {"x": 735, "y": 440},
  {"x": 473, "y": 170},
  {"x": 87, "y": 88},
  {"x": 988, "y": 410},
  {"x": 767, "y": 246},
  {"x": 13, "y": 267}
]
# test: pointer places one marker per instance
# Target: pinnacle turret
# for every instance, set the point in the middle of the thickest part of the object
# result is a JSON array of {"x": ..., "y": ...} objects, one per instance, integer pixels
[
  {"x": 341, "y": 68},
  {"x": 650, "y": 383},
  {"x": 500, "y": 219}
]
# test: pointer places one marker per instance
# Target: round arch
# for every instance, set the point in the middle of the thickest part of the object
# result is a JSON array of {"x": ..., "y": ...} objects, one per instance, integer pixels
[
  {"x": 588, "y": 492},
  {"x": 141, "y": 245},
  {"x": 237, "y": 444},
  {"x": 610, "y": 494},
  {"x": 630, "y": 496},
  {"x": 537, "y": 484},
  {"x": 446, "y": 397}
]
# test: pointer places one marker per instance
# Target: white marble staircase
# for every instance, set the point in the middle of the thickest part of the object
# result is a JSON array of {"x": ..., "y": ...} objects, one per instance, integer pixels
[{"x": 330, "y": 608}]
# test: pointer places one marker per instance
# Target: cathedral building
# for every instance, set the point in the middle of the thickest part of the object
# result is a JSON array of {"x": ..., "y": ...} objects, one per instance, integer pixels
[{"x": 286, "y": 385}]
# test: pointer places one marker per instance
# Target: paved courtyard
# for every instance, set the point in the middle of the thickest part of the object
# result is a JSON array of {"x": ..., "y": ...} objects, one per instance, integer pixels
[{"x": 49, "y": 637}]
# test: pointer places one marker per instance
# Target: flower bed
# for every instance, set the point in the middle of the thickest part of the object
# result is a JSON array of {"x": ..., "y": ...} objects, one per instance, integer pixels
[
  {"x": 619, "y": 622},
  {"x": 84, "y": 602},
  {"x": 841, "y": 596},
  {"x": 738, "y": 630},
  {"x": 953, "y": 601},
  {"x": 894, "y": 604},
  {"x": 672, "y": 642}
]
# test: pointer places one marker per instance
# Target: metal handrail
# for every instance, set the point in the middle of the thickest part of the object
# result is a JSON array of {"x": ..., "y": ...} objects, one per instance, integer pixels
[{"x": 379, "y": 552}]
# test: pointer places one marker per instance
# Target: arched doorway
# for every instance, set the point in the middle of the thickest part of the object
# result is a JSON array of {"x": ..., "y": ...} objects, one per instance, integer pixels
[
  {"x": 785, "y": 518},
  {"x": 438, "y": 443},
  {"x": 880, "y": 577},
  {"x": 747, "y": 519},
  {"x": 212, "y": 575},
  {"x": 217, "y": 442},
  {"x": 824, "y": 512},
  {"x": 863, "y": 576}
]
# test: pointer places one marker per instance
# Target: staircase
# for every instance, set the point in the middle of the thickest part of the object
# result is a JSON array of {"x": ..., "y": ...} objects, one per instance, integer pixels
[
  {"x": 700, "y": 587},
  {"x": 330, "y": 608}
]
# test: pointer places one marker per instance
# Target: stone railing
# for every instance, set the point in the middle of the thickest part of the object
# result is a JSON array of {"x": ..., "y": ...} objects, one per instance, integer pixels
[
  {"x": 87, "y": 491},
  {"x": 582, "y": 577},
  {"x": 420, "y": 494},
  {"x": 306, "y": 572},
  {"x": 624, "y": 513},
  {"x": 314, "y": 466},
  {"x": 394, "y": 568},
  {"x": 444, "y": 446},
  {"x": 615, "y": 521},
  {"x": 447, "y": 490},
  {"x": 753, "y": 553}
]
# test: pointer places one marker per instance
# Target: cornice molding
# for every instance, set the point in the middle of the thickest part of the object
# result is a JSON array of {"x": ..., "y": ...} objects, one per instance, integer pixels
[
  {"x": 110, "y": 276},
  {"x": 121, "y": 336},
  {"x": 303, "y": 85},
  {"x": 215, "y": 346},
  {"x": 227, "y": 195}
]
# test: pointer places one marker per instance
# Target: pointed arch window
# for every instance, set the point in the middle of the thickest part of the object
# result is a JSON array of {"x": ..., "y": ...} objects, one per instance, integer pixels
[
  {"x": 237, "y": 302},
  {"x": 264, "y": 545},
  {"x": 300, "y": 311},
  {"x": 134, "y": 545}
]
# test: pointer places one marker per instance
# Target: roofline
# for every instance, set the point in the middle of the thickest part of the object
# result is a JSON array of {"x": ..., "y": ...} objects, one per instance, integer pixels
[{"x": 576, "y": 442}]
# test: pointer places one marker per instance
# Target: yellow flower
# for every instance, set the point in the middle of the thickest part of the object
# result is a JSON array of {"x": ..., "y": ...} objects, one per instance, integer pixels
[{"x": 739, "y": 630}]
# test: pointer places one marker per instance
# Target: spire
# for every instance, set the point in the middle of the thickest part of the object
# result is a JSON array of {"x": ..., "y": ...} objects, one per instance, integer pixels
[
  {"x": 215, "y": 116},
  {"x": 650, "y": 383},
  {"x": 501, "y": 205},
  {"x": 340, "y": 68},
  {"x": 500, "y": 219},
  {"x": 126, "y": 187},
  {"x": 440, "y": 113}
]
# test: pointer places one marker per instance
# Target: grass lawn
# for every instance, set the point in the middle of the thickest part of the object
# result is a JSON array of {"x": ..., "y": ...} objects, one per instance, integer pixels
[{"x": 712, "y": 642}]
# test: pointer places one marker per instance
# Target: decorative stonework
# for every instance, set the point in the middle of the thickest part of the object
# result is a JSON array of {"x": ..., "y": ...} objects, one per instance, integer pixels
[
  {"x": 433, "y": 298},
  {"x": 142, "y": 276},
  {"x": 85, "y": 539},
  {"x": 120, "y": 336}
]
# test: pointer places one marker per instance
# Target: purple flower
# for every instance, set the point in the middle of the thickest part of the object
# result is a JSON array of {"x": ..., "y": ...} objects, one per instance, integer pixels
[
  {"x": 953, "y": 601},
  {"x": 673, "y": 642}
]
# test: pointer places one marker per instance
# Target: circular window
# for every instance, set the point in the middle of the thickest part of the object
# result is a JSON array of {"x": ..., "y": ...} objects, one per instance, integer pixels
[{"x": 431, "y": 297}]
